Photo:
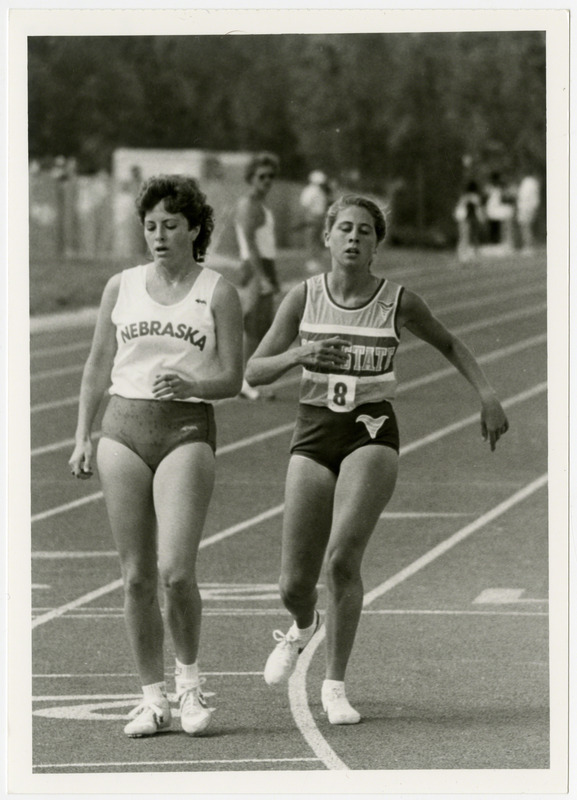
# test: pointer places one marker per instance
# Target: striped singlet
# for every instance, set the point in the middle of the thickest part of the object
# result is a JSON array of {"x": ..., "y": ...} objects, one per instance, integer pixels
[{"x": 368, "y": 375}]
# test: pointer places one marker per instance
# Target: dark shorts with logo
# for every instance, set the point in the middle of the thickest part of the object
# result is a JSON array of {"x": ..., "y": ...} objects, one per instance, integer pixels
[
  {"x": 328, "y": 437},
  {"x": 154, "y": 428}
]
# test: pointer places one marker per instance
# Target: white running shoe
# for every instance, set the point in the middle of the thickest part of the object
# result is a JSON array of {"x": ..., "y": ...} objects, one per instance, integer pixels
[
  {"x": 337, "y": 707},
  {"x": 282, "y": 661},
  {"x": 149, "y": 717},
  {"x": 194, "y": 712}
]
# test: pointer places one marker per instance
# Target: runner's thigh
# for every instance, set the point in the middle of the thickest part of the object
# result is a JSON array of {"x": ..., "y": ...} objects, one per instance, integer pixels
[
  {"x": 307, "y": 517},
  {"x": 365, "y": 485}
]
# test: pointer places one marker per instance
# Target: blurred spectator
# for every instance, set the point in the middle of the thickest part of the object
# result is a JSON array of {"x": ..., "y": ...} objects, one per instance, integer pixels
[
  {"x": 528, "y": 201},
  {"x": 469, "y": 217},
  {"x": 255, "y": 231},
  {"x": 499, "y": 211},
  {"x": 314, "y": 201}
]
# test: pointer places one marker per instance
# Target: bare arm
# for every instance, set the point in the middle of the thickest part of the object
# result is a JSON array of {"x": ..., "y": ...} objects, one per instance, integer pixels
[
  {"x": 249, "y": 217},
  {"x": 226, "y": 379},
  {"x": 95, "y": 380},
  {"x": 274, "y": 356},
  {"x": 415, "y": 315}
]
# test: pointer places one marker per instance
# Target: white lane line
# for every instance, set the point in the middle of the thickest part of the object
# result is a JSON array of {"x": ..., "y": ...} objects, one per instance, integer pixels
[
  {"x": 260, "y": 437},
  {"x": 507, "y": 317},
  {"x": 82, "y": 501},
  {"x": 297, "y": 683},
  {"x": 453, "y": 613},
  {"x": 51, "y": 698},
  {"x": 116, "y": 584},
  {"x": 291, "y": 380},
  {"x": 443, "y": 292},
  {"x": 57, "y": 373},
  {"x": 82, "y": 613},
  {"x": 55, "y": 555},
  {"x": 61, "y": 349},
  {"x": 164, "y": 763},
  {"x": 58, "y": 554},
  {"x": 272, "y": 512},
  {"x": 80, "y": 601},
  {"x": 52, "y": 405},
  {"x": 68, "y": 675}
]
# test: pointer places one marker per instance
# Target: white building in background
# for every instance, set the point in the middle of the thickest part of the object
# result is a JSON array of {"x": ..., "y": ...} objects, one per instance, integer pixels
[
  {"x": 220, "y": 174},
  {"x": 206, "y": 165}
]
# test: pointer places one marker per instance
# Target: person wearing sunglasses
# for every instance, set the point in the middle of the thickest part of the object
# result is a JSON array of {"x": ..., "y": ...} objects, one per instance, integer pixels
[{"x": 255, "y": 232}]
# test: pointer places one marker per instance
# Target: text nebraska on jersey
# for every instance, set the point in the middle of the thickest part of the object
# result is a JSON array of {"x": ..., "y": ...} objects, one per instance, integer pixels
[{"x": 156, "y": 328}]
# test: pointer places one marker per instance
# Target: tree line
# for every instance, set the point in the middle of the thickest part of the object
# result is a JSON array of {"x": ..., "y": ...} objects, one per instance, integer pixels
[{"x": 388, "y": 112}]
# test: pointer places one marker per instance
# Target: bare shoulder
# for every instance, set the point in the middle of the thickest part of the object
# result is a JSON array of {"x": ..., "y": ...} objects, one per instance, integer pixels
[
  {"x": 112, "y": 288},
  {"x": 412, "y": 308},
  {"x": 224, "y": 292},
  {"x": 296, "y": 298}
]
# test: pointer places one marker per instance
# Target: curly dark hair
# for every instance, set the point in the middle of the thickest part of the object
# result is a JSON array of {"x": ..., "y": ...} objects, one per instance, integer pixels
[
  {"x": 364, "y": 202},
  {"x": 261, "y": 160},
  {"x": 181, "y": 195}
]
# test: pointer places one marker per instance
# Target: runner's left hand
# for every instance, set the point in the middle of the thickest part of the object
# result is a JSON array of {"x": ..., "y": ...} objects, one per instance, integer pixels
[
  {"x": 170, "y": 386},
  {"x": 494, "y": 422}
]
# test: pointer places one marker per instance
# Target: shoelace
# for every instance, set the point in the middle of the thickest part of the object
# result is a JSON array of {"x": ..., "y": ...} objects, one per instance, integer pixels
[
  {"x": 145, "y": 706},
  {"x": 279, "y": 636},
  {"x": 194, "y": 693}
]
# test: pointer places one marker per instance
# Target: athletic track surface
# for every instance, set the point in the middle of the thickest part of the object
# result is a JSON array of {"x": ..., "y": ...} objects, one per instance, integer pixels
[{"x": 450, "y": 668}]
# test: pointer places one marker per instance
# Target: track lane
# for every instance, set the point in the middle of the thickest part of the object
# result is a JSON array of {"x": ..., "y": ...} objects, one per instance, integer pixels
[{"x": 235, "y": 561}]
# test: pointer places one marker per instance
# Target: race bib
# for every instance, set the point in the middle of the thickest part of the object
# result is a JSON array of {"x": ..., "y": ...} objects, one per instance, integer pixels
[{"x": 341, "y": 392}]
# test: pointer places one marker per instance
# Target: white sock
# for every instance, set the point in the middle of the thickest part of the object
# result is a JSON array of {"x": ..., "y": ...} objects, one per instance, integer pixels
[
  {"x": 155, "y": 691},
  {"x": 329, "y": 685},
  {"x": 187, "y": 673},
  {"x": 303, "y": 633}
]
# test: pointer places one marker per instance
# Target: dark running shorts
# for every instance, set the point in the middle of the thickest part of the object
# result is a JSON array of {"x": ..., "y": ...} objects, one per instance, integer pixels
[
  {"x": 154, "y": 428},
  {"x": 328, "y": 437}
]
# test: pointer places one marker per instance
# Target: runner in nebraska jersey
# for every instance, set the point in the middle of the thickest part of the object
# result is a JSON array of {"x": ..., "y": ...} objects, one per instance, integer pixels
[
  {"x": 167, "y": 343},
  {"x": 344, "y": 453}
]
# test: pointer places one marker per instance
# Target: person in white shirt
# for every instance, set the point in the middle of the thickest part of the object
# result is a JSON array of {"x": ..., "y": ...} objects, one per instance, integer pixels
[
  {"x": 528, "y": 202},
  {"x": 167, "y": 342},
  {"x": 255, "y": 232},
  {"x": 314, "y": 201}
]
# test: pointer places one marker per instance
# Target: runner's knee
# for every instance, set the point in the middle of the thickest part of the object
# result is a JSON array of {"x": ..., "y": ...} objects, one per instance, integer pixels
[
  {"x": 139, "y": 585},
  {"x": 177, "y": 583},
  {"x": 295, "y": 589},
  {"x": 342, "y": 567}
]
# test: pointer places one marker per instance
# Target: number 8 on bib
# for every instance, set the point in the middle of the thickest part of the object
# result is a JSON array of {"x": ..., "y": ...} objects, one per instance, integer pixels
[{"x": 341, "y": 392}]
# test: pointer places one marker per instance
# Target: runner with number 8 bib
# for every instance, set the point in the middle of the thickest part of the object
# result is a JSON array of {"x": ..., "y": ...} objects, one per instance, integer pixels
[{"x": 344, "y": 453}]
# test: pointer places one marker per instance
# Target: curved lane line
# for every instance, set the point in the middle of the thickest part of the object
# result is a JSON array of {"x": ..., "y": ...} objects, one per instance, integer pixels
[{"x": 297, "y": 684}]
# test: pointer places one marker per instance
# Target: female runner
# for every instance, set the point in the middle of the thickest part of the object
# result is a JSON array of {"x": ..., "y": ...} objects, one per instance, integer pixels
[
  {"x": 344, "y": 451},
  {"x": 168, "y": 339}
]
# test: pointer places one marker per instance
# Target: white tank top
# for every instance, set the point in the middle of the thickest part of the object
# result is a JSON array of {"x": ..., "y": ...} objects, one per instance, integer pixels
[
  {"x": 368, "y": 375},
  {"x": 153, "y": 338},
  {"x": 264, "y": 238}
]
